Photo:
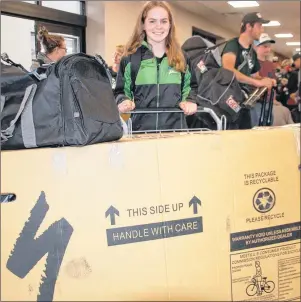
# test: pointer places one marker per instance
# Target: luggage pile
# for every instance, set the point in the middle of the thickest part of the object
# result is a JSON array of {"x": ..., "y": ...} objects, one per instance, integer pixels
[{"x": 71, "y": 102}]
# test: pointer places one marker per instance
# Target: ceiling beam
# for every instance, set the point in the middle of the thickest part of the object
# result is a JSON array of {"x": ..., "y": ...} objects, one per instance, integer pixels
[{"x": 41, "y": 13}]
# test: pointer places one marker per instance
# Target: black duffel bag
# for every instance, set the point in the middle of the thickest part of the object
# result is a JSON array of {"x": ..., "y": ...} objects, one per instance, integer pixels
[{"x": 69, "y": 103}]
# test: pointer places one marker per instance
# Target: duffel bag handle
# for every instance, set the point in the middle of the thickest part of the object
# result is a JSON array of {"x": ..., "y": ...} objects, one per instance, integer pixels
[{"x": 2, "y": 102}]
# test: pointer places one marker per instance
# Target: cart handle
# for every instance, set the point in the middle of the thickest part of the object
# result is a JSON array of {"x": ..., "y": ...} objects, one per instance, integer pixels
[
  {"x": 160, "y": 110},
  {"x": 220, "y": 122}
]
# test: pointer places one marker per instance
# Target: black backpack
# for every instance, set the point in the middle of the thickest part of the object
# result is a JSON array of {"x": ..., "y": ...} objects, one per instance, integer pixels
[
  {"x": 69, "y": 103},
  {"x": 218, "y": 88}
]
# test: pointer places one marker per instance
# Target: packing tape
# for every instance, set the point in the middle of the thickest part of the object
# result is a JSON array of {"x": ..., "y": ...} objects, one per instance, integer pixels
[
  {"x": 115, "y": 156},
  {"x": 297, "y": 139},
  {"x": 59, "y": 162}
]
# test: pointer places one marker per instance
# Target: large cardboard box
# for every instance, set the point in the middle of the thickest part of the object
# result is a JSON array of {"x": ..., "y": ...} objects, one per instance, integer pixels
[{"x": 181, "y": 217}]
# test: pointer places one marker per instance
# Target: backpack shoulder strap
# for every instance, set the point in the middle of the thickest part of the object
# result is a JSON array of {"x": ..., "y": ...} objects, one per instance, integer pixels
[
  {"x": 245, "y": 61},
  {"x": 135, "y": 60},
  {"x": 248, "y": 56}
]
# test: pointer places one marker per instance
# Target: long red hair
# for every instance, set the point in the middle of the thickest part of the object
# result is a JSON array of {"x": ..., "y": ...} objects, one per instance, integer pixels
[{"x": 173, "y": 49}]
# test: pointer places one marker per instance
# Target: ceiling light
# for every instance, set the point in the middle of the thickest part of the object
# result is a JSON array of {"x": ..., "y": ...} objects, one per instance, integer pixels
[
  {"x": 283, "y": 35},
  {"x": 240, "y": 4},
  {"x": 293, "y": 43},
  {"x": 297, "y": 49},
  {"x": 272, "y": 23}
]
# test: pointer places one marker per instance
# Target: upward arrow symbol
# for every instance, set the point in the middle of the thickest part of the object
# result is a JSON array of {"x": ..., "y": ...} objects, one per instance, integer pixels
[
  {"x": 112, "y": 212},
  {"x": 195, "y": 202}
]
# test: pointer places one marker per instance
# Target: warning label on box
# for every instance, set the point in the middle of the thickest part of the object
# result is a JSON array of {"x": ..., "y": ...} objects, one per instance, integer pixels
[
  {"x": 154, "y": 231},
  {"x": 266, "y": 236},
  {"x": 271, "y": 274}
]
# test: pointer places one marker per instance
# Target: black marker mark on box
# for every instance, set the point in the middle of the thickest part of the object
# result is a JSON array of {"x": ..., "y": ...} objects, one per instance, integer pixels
[{"x": 28, "y": 250}]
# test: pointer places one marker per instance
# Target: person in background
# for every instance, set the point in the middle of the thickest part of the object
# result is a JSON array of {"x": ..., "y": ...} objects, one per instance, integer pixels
[
  {"x": 54, "y": 47},
  {"x": 276, "y": 64},
  {"x": 294, "y": 89},
  {"x": 239, "y": 56},
  {"x": 281, "y": 115},
  {"x": 282, "y": 80},
  {"x": 164, "y": 78},
  {"x": 293, "y": 82},
  {"x": 119, "y": 50},
  {"x": 263, "y": 49}
]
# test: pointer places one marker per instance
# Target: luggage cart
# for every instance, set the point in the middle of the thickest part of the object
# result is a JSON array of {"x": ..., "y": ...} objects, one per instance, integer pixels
[{"x": 220, "y": 122}]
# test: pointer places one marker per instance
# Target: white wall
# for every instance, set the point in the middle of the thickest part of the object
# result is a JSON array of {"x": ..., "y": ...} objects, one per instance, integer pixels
[
  {"x": 16, "y": 39},
  {"x": 119, "y": 21},
  {"x": 67, "y": 6},
  {"x": 126, "y": 12},
  {"x": 186, "y": 20},
  {"x": 95, "y": 32}
]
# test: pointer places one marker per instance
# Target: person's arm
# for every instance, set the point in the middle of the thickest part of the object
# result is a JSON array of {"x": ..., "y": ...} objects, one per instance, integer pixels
[
  {"x": 122, "y": 90},
  {"x": 123, "y": 94},
  {"x": 292, "y": 85},
  {"x": 189, "y": 91},
  {"x": 189, "y": 84},
  {"x": 228, "y": 62}
]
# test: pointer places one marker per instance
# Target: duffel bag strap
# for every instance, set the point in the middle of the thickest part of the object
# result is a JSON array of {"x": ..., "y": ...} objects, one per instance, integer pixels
[
  {"x": 2, "y": 102},
  {"x": 218, "y": 100},
  {"x": 28, "y": 97},
  {"x": 27, "y": 125}
]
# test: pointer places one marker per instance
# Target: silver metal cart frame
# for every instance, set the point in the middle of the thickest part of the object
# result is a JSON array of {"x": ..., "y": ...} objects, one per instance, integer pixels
[{"x": 220, "y": 122}]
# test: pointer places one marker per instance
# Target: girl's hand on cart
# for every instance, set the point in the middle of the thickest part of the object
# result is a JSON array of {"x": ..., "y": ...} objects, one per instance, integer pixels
[
  {"x": 126, "y": 106},
  {"x": 189, "y": 108}
]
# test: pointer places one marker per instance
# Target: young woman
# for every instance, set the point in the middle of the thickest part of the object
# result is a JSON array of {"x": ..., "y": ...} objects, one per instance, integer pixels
[
  {"x": 164, "y": 78},
  {"x": 54, "y": 47}
]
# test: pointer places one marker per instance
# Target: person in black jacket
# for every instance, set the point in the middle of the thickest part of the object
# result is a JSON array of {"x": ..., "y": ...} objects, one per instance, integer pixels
[
  {"x": 294, "y": 89},
  {"x": 294, "y": 79},
  {"x": 164, "y": 78}
]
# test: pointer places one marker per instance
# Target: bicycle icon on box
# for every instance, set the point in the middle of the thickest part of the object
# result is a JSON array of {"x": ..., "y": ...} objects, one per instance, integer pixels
[{"x": 259, "y": 284}]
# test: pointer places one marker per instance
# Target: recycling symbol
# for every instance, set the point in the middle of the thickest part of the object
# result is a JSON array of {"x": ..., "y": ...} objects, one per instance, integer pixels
[{"x": 264, "y": 200}]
